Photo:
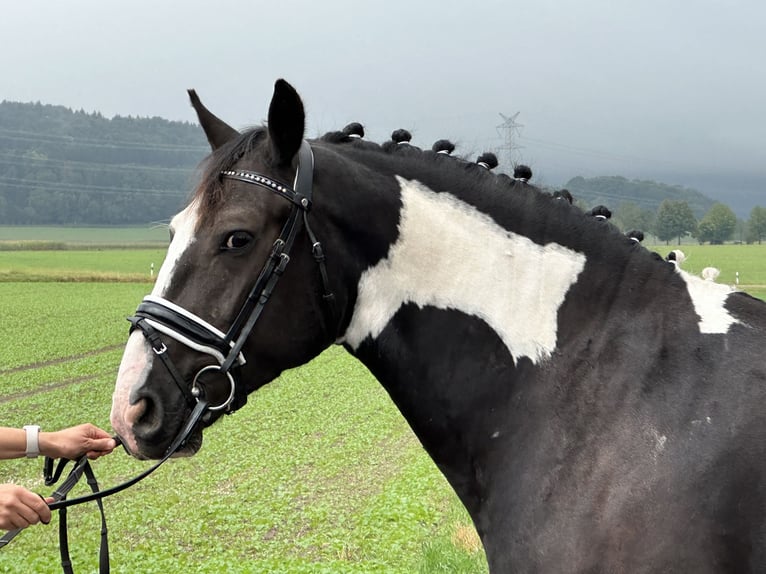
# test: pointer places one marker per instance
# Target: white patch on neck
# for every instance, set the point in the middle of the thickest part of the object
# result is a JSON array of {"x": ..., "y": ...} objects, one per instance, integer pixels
[
  {"x": 708, "y": 299},
  {"x": 449, "y": 255},
  {"x": 183, "y": 225}
]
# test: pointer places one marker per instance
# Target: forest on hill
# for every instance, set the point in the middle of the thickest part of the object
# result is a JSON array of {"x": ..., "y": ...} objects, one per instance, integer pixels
[
  {"x": 59, "y": 166},
  {"x": 613, "y": 191},
  {"x": 64, "y": 167}
]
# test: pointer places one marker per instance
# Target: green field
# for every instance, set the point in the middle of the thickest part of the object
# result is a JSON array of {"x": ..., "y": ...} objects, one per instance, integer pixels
[
  {"x": 743, "y": 266},
  {"x": 16, "y": 234},
  {"x": 104, "y": 265}
]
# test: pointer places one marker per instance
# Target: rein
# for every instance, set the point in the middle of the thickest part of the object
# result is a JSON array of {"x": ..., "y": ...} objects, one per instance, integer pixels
[
  {"x": 82, "y": 467},
  {"x": 156, "y": 316}
]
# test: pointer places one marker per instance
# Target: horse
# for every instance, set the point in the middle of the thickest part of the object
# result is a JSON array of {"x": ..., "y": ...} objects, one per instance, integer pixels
[{"x": 595, "y": 408}]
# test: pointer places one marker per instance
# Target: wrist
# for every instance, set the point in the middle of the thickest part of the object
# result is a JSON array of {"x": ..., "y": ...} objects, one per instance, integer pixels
[
  {"x": 46, "y": 443},
  {"x": 32, "y": 441}
]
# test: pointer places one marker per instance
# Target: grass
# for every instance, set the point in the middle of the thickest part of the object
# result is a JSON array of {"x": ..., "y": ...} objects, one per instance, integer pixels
[
  {"x": 20, "y": 234},
  {"x": 318, "y": 473},
  {"x": 124, "y": 265},
  {"x": 739, "y": 264},
  {"x": 49, "y": 321}
]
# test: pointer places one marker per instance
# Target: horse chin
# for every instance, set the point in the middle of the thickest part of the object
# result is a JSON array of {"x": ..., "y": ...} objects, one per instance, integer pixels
[
  {"x": 147, "y": 452},
  {"x": 191, "y": 447}
]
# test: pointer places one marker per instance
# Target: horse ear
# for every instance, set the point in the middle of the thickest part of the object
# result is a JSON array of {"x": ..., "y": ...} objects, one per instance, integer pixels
[
  {"x": 287, "y": 122},
  {"x": 217, "y": 131}
]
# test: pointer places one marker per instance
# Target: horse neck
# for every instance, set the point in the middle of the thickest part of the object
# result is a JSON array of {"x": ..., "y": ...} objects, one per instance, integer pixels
[{"x": 448, "y": 306}]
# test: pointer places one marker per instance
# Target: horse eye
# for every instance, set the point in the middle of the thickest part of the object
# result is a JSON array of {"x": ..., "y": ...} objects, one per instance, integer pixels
[{"x": 237, "y": 240}]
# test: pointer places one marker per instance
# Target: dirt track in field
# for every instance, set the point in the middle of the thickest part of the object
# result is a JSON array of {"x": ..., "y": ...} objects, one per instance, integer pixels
[
  {"x": 60, "y": 360},
  {"x": 48, "y": 388},
  {"x": 53, "y": 362}
]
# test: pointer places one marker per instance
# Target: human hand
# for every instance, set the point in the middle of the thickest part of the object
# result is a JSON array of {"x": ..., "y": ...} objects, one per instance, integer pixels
[
  {"x": 20, "y": 507},
  {"x": 73, "y": 442}
]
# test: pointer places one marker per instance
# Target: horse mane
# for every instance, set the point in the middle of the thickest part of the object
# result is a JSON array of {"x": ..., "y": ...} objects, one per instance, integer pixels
[
  {"x": 484, "y": 189},
  {"x": 487, "y": 160}
]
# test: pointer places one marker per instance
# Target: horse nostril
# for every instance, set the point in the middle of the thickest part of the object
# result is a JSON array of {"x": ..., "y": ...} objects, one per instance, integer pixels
[
  {"x": 145, "y": 416},
  {"x": 134, "y": 412}
]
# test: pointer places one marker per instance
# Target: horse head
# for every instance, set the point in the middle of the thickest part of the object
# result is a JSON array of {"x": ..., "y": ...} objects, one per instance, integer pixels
[{"x": 190, "y": 338}]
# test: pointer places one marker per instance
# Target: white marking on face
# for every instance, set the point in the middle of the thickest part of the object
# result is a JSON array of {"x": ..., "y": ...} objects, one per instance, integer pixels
[
  {"x": 134, "y": 367},
  {"x": 709, "y": 299},
  {"x": 183, "y": 225},
  {"x": 449, "y": 255},
  {"x": 137, "y": 357}
]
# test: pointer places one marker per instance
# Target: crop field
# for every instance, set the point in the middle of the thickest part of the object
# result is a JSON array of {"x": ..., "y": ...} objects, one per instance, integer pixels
[
  {"x": 16, "y": 234},
  {"x": 105, "y": 265}
]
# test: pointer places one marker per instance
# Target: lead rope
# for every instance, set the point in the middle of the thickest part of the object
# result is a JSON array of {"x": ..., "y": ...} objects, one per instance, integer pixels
[{"x": 82, "y": 466}]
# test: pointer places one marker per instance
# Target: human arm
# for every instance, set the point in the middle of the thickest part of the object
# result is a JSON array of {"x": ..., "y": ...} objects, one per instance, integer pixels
[{"x": 70, "y": 443}]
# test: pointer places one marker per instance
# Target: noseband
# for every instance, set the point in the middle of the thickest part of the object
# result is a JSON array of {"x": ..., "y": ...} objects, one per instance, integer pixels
[{"x": 156, "y": 316}]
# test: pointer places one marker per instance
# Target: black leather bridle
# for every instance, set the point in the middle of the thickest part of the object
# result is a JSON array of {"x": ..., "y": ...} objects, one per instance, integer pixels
[{"x": 157, "y": 316}]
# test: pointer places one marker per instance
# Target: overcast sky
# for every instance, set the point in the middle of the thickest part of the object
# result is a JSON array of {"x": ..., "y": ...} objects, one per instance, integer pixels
[{"x": 653, "y": 89}]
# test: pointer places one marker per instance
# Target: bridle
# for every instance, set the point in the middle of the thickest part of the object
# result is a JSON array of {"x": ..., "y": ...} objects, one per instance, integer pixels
[{"x": 156, "y": 316}]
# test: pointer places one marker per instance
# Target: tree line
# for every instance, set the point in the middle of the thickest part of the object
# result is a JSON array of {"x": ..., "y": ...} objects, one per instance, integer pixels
[
  {"x": 65, "y": 167},
  {"x": 675, "y": 219},
  {"x": 669, "y": 212}
]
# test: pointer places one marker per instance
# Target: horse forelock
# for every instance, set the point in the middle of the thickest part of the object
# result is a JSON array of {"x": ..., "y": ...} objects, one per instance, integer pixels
[{"x": 209, "y": 191}]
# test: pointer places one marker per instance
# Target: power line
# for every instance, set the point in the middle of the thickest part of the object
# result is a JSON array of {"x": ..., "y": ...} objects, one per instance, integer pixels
[
  {"x": 83, "y": 188},
  {"x": 589, "y": 151},
  {"x": 18, "y": 135},
  {"x": 85, "y": 166}
]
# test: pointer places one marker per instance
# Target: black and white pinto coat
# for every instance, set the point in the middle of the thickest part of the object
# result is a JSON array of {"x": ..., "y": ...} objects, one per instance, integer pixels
[{"x": 595, "y": 408}]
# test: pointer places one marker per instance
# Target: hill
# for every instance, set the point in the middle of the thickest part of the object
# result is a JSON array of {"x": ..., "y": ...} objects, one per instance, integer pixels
[
  {"x": 615, "y": 190},
  {"x": 59, "y": 166}
]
